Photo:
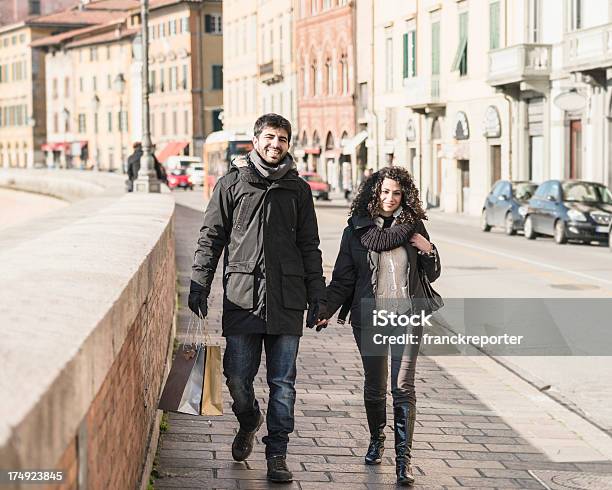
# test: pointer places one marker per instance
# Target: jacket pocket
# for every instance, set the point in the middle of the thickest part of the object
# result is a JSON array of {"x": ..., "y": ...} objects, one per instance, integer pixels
[
  {"x": 293, "y": 285},
  {"x": 239, "y": 286}
]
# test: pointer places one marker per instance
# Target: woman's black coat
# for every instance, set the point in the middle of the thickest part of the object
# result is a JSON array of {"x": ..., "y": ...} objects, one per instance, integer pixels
[{"x": 356, "y": 270}]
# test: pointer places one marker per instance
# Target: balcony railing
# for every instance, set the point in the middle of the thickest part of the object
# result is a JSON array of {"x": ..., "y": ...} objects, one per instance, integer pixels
[
  {"x": 270, "y": 72},
  {"x": 522, "y": 62},
  {"x": 422, "y": 92},
  {"x": 588, "y": 49}
]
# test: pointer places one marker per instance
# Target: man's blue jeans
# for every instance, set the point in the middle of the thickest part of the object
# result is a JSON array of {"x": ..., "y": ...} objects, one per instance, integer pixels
[{"x": 240, "y": 365}]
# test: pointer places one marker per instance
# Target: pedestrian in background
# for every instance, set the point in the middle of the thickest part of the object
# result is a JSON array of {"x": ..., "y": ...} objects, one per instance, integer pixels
[
  {"x": 261, "y": 215},
  {"x": 383, "y": 250}
]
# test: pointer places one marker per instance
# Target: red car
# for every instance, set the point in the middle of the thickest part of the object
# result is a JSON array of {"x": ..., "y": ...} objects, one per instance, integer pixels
[
  {"x": 179, "y": 178},
  {"x": 319, "y": 188}
]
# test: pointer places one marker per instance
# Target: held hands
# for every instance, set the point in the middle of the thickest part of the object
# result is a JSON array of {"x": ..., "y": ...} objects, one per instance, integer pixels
[
  {"x": 317, "y": 315},
  {"x": 421, "y": 243},
  {"x": 198, "y": 300}
]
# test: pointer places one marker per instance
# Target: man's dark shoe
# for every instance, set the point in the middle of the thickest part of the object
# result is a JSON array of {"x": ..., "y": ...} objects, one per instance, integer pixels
[
  {"x": 278, "y": 471},
  {"x": 243, "y": 442}
]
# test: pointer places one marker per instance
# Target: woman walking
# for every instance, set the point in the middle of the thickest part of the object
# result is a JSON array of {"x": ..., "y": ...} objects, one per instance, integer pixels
[{"x": 385, "y": 258}]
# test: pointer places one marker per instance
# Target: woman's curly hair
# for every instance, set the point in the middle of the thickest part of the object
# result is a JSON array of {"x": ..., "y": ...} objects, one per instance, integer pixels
[{"x": 366, "y": 202}]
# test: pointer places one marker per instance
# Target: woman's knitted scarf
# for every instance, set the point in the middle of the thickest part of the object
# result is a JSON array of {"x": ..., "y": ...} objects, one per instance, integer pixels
[{"x": 382, "y": 239}]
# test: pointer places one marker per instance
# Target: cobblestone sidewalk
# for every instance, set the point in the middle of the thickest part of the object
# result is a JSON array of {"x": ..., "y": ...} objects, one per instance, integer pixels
[{"x": 459, "y": 441}]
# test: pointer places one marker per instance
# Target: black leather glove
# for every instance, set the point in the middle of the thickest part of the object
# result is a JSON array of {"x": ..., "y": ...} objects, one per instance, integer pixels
[
  {"x": 198, "y": 299},
  {"x": 317, "y": 311}
]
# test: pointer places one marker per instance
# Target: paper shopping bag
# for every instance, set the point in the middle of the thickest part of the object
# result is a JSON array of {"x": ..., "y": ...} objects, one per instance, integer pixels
[
  {"x": 212, "y": 400},
  {"x": 183, "y": 389}
]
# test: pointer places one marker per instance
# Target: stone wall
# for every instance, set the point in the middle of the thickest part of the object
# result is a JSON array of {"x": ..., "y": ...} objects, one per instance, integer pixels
[{"x": 87, "y": 321}]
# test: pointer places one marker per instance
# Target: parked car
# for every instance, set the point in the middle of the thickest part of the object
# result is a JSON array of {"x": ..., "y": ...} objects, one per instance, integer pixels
[
  {"x": 569, "y": 210},
  {"x": 319, "y": 188},
  {"x": 504, "y": 204},
  {"x": 182, "y": 161},
  {"x": 196, "y": 172},
  {"x": 179, "y": 178}
]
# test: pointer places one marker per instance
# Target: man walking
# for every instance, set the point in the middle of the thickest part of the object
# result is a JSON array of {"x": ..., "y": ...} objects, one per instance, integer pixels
[{"x": 261, "y": 214}]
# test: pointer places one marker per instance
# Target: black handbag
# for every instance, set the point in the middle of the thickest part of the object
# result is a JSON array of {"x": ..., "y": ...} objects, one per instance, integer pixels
[{"x": 432, "y": 301}]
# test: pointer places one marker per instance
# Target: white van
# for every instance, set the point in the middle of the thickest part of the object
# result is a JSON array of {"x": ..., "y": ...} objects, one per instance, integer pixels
[{"x": 182, "y": 161}]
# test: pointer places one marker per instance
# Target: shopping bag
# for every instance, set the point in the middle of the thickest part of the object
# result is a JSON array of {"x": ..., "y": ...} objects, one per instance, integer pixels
[
  {"x": 183, "y": 389},
  {"x": 212, "y": 400}
]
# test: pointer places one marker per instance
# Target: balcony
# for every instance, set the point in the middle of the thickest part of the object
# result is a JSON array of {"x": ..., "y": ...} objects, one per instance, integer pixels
[
  {"x": 519, "y": 65},
  {"x": 422, "y": 95},
  {"x": 270, "y": 72},
  {"x": 588, "y": 50}
]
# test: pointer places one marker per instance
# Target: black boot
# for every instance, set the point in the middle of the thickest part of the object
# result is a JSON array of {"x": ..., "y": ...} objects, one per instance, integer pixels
[
  {"x": 243, "y": 442},
  {"x": 404, "y": 415},
  {"x": 277, "y": 469},
  {"x": 377, "y": 419}
]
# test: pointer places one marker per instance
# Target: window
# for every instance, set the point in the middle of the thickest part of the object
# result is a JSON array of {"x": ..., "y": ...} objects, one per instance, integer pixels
[
  {"x": 409, "y": 45},
  {"x": 186, "y": 76},
  {"x": 163, "y": 123},
  {"x": 34, "y": 7},
  {"x": 122, "y": 121},
  {"x": 109, "y": 122},
  {"x": 151, "y": 81},
  {"x": 388, "y": 59},
  {"x": 54, "y": 89},
  {"x": 66, "y": 87},
  {"x": 217, "y": 77},
  {"x": 185, "y": 24},
  {"x": 55, "y": 123},
  {"x": 494, "y": 25},
  {"x": 186, "y": 121},
  {"x": 93, "y": 53},
  {"x": 435, "y": 48},
  {"x": 461, "y": 57},
  {"x": 109, "y": 83},
  {"x": 217, "y": 125},
  {"x": 95, "y": 118},
  {"x": 344, "y": 74},
  {"x": 94, "y": 83},
  {"x": 575, "y": 14},
  {"x": 81, "y": 85},
  {"x": 213, "y": 24},
  {"x": 328, "y": 77},
  {"x": 82, "y": 126},
  {"x": 313, "y": 80},
  {"x": 534, "y": 23},
  {"x": 108, "y": 52},
  {"x": 174, "y": 122},
  {"x": 162, "y": 88}
]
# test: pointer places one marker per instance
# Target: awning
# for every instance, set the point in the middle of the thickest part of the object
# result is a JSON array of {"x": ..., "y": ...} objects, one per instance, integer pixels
[
  {"x": 55, "y": 146},
  {"x": 313, "y": 151},
  {"x": 351, "y": 144},
  {"x": 171, "y": 149}
]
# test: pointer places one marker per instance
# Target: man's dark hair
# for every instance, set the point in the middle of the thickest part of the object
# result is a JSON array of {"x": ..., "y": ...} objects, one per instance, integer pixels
[{"x": 272, "y": 120}]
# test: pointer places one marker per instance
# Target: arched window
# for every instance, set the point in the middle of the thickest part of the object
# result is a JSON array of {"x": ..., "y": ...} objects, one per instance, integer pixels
[
  {"x": 315, "y": 139},
  {"x": 313, "y": 80},
  {"x": 329, "y": 141},
  {"x": 328, "y": 78},
  {"x": 303, "y": 81},
  {"x": 344, "y": 75},
  {"x": 304, "y": 139}
]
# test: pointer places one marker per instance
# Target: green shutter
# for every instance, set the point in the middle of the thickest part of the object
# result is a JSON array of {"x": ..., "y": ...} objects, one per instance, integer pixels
[
  {"x": 405, "y": 50},
  {"x": 494, "y": 25},
  {"x": 413, "y": 53},
  {"x": 435, "y": 48},
  {"x": 460, "y": 60}
]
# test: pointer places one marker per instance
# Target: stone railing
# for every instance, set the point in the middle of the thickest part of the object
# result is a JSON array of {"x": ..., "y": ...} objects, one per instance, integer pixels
[
  {"x": 522, "y": 62},
  {"x": 588, "y": 49},
  {"x": 86, "y": 328}
]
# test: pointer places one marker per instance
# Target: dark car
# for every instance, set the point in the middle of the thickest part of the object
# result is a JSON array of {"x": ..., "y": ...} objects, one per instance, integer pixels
[
  {"x": 505, "y": 203},
  {"x": 570, "y": 210},
  {"x": 180, "y": 178},
  {"x": 319, "y": 188}
]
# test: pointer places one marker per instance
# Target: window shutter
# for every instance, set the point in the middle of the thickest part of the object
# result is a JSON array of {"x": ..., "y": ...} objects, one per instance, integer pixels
[
  {"x": 435, "y": 48},
  {"x": 208, "y": 23},
  {"x": 413, "y": 54},
  {"x": 494, "y": 25},
  {"x": 405, "y": 50}
]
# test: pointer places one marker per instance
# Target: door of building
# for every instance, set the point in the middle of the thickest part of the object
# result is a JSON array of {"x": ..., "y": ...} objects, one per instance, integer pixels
[
  {"x": 464, "y": 185},
  {"x": 495, "y": 164},
  {"x": 575, "y": 168}
]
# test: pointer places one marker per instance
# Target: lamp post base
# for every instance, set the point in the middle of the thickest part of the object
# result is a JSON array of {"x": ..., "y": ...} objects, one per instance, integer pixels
[{"x": 147, "y": 185}]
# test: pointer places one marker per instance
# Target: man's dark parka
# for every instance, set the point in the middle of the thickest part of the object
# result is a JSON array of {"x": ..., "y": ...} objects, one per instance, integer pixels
[{"x": 272, "y": 265}]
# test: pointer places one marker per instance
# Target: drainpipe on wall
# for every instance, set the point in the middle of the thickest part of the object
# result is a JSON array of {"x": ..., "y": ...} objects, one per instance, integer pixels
[{"x": 510, "y": 115}]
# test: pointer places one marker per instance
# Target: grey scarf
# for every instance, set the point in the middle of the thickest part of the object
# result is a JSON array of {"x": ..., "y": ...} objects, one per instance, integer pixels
[{"x": 268, "y": 171}]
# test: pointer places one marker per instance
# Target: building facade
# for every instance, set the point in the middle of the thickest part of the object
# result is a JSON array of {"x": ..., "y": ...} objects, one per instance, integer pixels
[
  {"x": 325, "y": 63},
  {"x": 14, "y": 11},
  {"x": 23, "y": 83},
  {"x": 241, "y": 96},
  {"x": 94, "y": 86}
]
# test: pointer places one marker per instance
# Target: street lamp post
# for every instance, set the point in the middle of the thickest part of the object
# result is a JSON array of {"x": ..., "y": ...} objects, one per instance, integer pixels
[
  {"x": 147, "y": 179},
  {"x": 95, "y": 105},
  {"x": 66, "y": 118},
  {"x": 119, "y": 88}
]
